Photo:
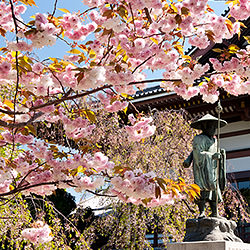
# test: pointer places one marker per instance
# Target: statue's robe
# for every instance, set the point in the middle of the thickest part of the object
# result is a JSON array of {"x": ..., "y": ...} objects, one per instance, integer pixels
[{"x": 205, "y": 167}]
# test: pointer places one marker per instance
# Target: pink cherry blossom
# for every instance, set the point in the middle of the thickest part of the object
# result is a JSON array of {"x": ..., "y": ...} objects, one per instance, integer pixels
[{"x": 39, "y": 234}]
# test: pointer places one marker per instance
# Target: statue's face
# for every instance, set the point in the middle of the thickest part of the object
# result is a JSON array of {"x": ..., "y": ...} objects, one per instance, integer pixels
[{"x": 209, "y": 128}]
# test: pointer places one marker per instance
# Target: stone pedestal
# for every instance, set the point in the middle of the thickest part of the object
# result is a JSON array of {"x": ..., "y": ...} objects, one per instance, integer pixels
[
  {"x": 209, "y": 245},
  {"x": 210, "y": 229}
]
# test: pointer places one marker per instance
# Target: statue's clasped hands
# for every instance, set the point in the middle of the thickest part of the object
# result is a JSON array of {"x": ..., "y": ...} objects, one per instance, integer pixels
[{"x": 216, "y": 156}]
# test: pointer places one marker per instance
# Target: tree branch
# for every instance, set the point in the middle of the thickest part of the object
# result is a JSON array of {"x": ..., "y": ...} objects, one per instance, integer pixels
[
  {"x": 28, "y": 186},
  {"x": 104, "y": 195},
  {"x": 21, "y": 124},
  {"x": 87, "y": 11},
  {"x": 54, "y": 11}
]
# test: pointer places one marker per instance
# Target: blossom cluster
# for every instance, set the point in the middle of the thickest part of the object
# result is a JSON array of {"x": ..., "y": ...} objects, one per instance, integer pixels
[
  {"x": 43, "y": 35},
  {"x": 74, "y": 30},
  {"x": 38, "y": 234},
  {"x": 6, "y": 21},
  {"x": 111, "y": 101},
  {"x": 140, "y": 129},
  {"x": 139, "y": 188},
  {"x": 77, "y": 128},
  {"x": 54, "y": 172},
  {"x": 240, "y": 10}
]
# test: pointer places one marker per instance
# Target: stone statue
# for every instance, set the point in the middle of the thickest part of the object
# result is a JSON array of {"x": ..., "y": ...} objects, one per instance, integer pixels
[{"x": 206, "y": 159}]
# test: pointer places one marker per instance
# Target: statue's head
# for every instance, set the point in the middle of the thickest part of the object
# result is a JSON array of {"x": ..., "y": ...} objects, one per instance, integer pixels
[
  {"x": 208, "y": 124},
  {"x": 209, "y": 127}
]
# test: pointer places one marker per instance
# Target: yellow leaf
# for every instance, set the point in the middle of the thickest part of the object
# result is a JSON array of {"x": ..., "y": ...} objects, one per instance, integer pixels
[
  {"x": 64, "y": 10},
  {"x": 119, "y": 46},
  {"x": 126, "y": 96},
  {"x": 192, "y": 194},
  {"x": 242, "y": 25},
  {"x": 181, "y": 179},
  {"x": 174, "y": 191},
  {"x": 229, "y": 25},
  {"x": 74, "y": 51},
  {"x": 81, "y": 169},
  {"x": 154, "y": 40},
  {"x": 28, "y": 2},
  {"x": 233, "y": 48},
  {"x": 209, "y": 8},
  {"x": 120, "y": 52},
  {"x": 247, "y": 38},
  {"x": 92, "y": 54},
  {"x": 174, "y": 8},
  {"x": 13, "y": 53},
  {"x": 234, "y": 2},
  {"x": 196, "y": 188},
  {"x": 125, "y": 110},
  {"x": 217, "y": 50},
  {"x": 99, "y": 146},
  {"x": 32, "y": 129},
  {"x": 8, "y": 103}
]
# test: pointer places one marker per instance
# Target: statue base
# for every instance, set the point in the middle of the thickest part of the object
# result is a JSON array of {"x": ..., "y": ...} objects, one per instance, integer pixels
[
  {"x": 209, "y": 245},
  {"x": 210, "y": 229}
]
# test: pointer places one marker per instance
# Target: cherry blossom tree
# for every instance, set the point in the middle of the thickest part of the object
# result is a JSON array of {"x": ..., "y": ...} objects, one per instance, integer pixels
[{"x": 110, "y": 47}]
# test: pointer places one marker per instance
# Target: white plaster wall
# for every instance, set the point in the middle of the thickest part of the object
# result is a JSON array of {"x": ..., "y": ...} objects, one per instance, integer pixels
[
  {"x": 236, "y": 143},
  {"x": 236, "y": 126},
  {"x": 238, "y": 164}
]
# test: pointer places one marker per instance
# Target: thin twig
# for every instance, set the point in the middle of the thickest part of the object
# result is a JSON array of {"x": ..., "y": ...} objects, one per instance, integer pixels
[
  {"x": 54, "y": 11},
  {"x": 189, "y": 208},
  {"x": 23, "y": 179},
  {"x": 148, "y": 15},
  {"x": 20, "y": 21},
  {"x": 64, "y": 40},
  {"x": 142, "y": 63},
  {"x": 87, "y": 11},
  {"x": 98, "y": 194}
]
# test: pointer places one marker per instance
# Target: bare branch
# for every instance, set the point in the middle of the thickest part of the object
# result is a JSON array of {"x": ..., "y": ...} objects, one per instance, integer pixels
[
  {"x": 148, "y": 15},
  {"x": 54, "y": 11},
  {"x": 98, "y": 194},
  {"x": 142, "y": 63},
  {"x": 21, "y": 124},
  {"x": 87, "y": 11}
]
